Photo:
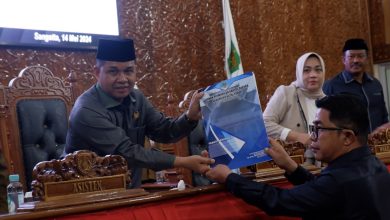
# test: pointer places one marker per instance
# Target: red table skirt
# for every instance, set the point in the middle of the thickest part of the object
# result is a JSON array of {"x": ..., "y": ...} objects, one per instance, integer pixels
[
  {"x": 213, "y": 206},
  {"x": 218, "y": 205}
]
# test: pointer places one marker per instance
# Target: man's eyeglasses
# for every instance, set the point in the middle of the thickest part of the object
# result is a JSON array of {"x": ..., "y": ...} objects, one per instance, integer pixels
[{"x": 314, "y": 131}]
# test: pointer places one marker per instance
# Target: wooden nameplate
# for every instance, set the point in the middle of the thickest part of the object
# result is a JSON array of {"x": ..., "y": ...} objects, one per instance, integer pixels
[
  {"x": 295, "y": 150},
  {"x": 380, "y": 145},
  {"x": 270, "y": 172},
  {"x": 271, "y": 164},
  {"x": 381, "y": 148},
  {"x": 80, "y": 178},
  {"x": 382, "y": 151},
  {"x": 82, "y": 199}
]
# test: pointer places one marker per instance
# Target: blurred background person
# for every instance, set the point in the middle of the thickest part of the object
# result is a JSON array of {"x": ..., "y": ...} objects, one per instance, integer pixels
[
  {"x": 355, "y": 80},
  {"x": 292, "y": 109}
]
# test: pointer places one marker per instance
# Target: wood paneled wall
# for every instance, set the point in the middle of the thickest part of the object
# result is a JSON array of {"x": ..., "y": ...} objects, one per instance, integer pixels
[
  {"x": 380, "y": 29},
  {"x": 180, "y": 44}
]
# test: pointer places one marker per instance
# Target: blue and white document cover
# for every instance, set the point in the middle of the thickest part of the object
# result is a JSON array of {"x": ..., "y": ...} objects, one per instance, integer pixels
[{"x": 233, "y": 122}]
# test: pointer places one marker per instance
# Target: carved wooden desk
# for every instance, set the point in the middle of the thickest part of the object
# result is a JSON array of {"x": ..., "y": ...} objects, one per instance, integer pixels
[{"x": 211, "y": 202}]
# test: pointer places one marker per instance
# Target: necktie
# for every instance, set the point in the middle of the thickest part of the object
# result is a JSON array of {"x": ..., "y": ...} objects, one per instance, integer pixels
[{"x": 125, "y": 113}]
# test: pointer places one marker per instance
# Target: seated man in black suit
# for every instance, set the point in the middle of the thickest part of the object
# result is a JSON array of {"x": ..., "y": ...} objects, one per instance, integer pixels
[{"x": 354, "y": 185}]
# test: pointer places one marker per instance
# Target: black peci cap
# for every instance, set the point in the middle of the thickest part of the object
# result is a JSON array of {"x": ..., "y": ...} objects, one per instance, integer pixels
[
  {"x": 119, "y": 50},
  {"x": 355, "y": 44}
]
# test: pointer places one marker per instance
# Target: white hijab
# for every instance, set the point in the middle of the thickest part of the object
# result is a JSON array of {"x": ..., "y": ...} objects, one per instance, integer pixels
[{"x": 299, "y": 76}]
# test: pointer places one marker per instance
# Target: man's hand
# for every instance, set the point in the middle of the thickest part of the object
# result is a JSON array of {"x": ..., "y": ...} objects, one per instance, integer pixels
[
  {"x": 219, "y": 173},
  {"x": 280, "y": 156},
  {"x": 196, "y": 163},
  {"x": 193, "y": 112}
]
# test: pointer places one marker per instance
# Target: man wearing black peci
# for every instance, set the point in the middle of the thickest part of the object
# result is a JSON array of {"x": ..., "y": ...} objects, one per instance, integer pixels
[
  {"x": 355, "y": 80},
  {"x": 113, "y": 118}
]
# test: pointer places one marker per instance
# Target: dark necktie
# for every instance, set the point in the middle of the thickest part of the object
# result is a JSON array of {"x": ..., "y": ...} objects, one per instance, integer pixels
[
  {"x": 124, "y": 109},
  {"x": 128, "y": 120}
]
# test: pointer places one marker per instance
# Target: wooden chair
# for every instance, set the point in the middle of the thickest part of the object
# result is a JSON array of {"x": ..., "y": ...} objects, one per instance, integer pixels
[
  {"x": 3, "y": 185},
  {"x": 34, "y": 111}
]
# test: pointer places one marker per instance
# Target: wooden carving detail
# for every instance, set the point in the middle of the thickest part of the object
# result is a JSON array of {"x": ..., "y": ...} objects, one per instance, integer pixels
[
  {"x": 382, "y": 137},
  {"x": 81, "y": 164},
  {"x": 3, "y": 111},
  {"x": 295, "y": 148},
  {"x": 380, "y": 142},
  {"x": 38, "y": 81},
  {"x": 296, "y": 151}
]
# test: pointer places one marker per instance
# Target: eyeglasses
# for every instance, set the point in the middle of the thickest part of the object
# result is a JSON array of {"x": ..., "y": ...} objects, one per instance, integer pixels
[{"x": 314, "y": 131}]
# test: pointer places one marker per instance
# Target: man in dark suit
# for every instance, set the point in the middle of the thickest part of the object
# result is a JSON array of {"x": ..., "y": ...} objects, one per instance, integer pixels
[
  {"x": 113, "y": 118},
  {"x": 353, "y": 79},
  {"x": 354, "y": 185}
]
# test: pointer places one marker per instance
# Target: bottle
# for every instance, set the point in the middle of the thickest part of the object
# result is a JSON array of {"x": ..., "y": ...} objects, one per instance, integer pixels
[
  {"x": 15, "y": 196},
  {"x": 160, "y": 176}
]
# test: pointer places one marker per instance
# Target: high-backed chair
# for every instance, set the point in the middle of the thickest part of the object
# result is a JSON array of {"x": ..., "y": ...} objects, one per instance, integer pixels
[
  {"x": 34, "y": 111},
  {"x": 3, "y": 184}
]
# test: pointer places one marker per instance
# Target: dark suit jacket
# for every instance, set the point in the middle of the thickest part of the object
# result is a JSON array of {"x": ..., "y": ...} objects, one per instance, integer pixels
[
  {"x": 370, "y": 92},
  {"x": 354, "y": 186},
  {"x": 101, "y": 124}
]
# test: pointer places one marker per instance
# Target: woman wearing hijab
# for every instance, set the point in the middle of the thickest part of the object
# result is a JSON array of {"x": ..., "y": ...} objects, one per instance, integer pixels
[{"x": 291, "y": 108}]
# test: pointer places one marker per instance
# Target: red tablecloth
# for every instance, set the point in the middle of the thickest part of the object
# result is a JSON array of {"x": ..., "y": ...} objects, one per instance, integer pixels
[
  {"x": 213, "y": 206},
  {"x": 218, "y": 205}
]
